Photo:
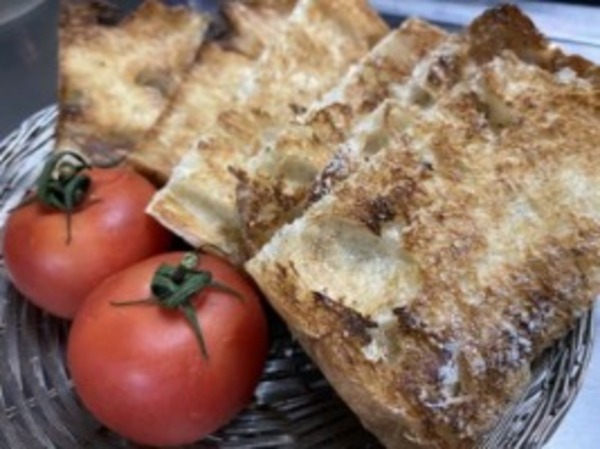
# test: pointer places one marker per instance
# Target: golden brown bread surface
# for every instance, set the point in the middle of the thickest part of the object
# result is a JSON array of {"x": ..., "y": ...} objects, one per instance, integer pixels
[
  {"x": 210, "y": 87},
  {"x": 426, "y": 283},
  {"x": 276, "y": 185},
  {"x": 256, "y": 23},
  {"x": 273, "y": 183},
  {"x": 321, "y": 40},
  {"x": 116, "y": 78}
]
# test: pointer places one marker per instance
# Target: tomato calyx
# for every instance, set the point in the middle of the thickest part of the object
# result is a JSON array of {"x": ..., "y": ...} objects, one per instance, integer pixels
[
  {"x": 63, "y": 184},
  {"x": 174, "y": 288}
]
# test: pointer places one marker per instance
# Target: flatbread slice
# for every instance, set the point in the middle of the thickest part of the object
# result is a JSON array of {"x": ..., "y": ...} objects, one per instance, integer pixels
[
  {"x": 116, "y": 78},
  {"x": 210, "y": 87},
  {"x": 308, "y": 159},
  {"x": 321, "y": 41},
  {"x": 426, "y": 283},
  {"x": 274, "y": 184}
]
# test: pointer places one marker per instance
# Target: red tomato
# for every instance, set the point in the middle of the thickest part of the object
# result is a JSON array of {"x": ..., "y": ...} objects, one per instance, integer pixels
[
  {"x": 139, "y": 368},
  {"x": 109, "y": 231}
]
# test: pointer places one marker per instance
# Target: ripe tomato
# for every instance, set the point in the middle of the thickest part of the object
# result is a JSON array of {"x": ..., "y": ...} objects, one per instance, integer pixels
[
  {"x": 109, "y": 231},
  {"x": 139, "y": 368}
]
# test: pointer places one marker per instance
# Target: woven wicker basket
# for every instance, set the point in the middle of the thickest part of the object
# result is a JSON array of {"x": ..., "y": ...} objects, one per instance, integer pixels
[{"x": 293, "y": 406}]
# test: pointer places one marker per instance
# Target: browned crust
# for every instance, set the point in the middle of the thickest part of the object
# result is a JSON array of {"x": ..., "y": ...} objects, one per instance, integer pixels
[
  {"x": 80, "y": 14},
  {"x": 88, "y": 28},
  {"x": 289, "y": 77},
  {"x": 334, "y": 335},
  {"x": 265, "y": 201},
  {"x": 506, "y": 27},
  {"x": 501, "y": 230},
  {"x": 211, "y": 86},
  {"x": 208, "y": 89},
  {"x": 255, "y": 24}
]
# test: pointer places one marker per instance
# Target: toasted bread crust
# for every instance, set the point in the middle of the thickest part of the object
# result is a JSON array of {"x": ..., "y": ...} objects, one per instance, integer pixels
[
  {"x": 269, "y": 194},
  {"x": 287, "y": 78},
  {"x": 256, "y": 24},
  {"x": 275, "y": 184},
  {"x": 452, "y": 258},
  {"x": 211, "y": 87},
  {"x": 116, "y": 77},
  {"x": 505, "y": 26}
]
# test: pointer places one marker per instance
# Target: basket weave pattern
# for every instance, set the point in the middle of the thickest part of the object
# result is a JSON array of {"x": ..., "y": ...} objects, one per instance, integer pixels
[{"x": 293, "y": 407}]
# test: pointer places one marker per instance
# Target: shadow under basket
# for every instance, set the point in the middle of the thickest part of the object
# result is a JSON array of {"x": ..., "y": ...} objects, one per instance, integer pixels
[{"x": 293, "y": 407}]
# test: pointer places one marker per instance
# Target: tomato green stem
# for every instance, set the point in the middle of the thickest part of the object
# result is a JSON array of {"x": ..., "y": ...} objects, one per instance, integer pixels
[
  {"x": 63, "y": 184},
  {"x": 189, "y": 312},
  {"x": 174, "y": 287}
]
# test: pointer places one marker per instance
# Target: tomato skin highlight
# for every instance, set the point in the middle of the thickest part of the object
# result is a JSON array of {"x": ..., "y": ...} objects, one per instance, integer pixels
[
  {"x": 109, "y": 232},
  {"x": 139, "y": 369}
]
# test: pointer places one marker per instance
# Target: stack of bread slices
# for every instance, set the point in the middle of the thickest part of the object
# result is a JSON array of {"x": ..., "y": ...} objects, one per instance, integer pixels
[{"x": 421, "y": 208}]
